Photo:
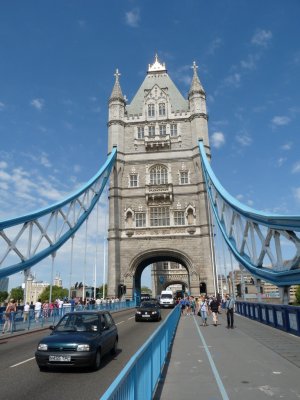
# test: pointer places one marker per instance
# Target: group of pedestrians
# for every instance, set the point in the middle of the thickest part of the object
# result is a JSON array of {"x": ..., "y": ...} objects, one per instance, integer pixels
[{"x": 206, "y": 306}]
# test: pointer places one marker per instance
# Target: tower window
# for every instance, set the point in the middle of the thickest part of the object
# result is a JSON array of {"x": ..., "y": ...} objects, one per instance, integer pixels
[
  {"x": 165, "y": 265},
  {"x": 158, "y": 175},
  {"x": 161, "y": 109},
  {"x": 133, "y": 180},
  {"x": 173, "y": 129},
  {"x": 151, "y": 110},
  {"x": 162, "y": 130},
  {"x": 140, "y": 220},
  {"x": 151, "y": 131},
  {"x": 159, "y": 216},
  {"x": 179, "y": 218},
  {"x": 184, "y": 177},
  {"x": 140, "y": 132}
]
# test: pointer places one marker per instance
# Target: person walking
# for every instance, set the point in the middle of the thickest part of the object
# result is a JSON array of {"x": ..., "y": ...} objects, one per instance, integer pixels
[
  {"x": 230, "y": 311},
  {"x": 26, "y": 312},
  {"x": 9, "y": 316},
  {"x": 37, "y": 309},
  {"x": 203, "y": 311},
  {"x": 215, "y": 308}
]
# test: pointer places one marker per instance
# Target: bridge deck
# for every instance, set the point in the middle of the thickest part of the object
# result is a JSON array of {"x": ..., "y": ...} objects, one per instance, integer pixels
[{"x": 251, "y": 361}]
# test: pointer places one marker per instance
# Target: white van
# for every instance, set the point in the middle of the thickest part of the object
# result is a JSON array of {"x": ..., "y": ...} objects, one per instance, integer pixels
[{"x": 166, "y": 299}]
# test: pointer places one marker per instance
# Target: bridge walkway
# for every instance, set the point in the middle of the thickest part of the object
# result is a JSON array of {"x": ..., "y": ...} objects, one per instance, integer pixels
[{"x": 251, "y": 361}]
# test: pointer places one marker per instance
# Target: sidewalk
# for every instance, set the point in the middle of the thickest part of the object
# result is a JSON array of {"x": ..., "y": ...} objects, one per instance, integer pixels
[{"x": 251, "y": 361}]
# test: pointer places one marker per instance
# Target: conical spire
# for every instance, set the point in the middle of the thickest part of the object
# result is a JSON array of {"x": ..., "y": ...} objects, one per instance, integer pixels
[
  {"x": 196, "y": 86},
  {"x": 116, "y": 93}
]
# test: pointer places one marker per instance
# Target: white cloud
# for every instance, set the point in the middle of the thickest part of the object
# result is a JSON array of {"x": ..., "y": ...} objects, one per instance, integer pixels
[
  {"x": 44, "y": 161},
  {"x": 239, "y": 197},
  {"x": 281, "y": 161},
  {"x": 217, "y": 139},
  {"x": 214, "y": 45},
  {"x": 77, "y": 168},
  {"x": 3, "y": 164},
  {"x": 244, "y": 140},
  {"x": 3, "y": 186},
  {"x": 233, "y": 80},
  {"x": 4, "y": 176},
  {"x": 297, "y": 194},
  {"x": 250, "y": 203},
  {"x": 296, "y": 168},
  {"x": 262, "y": 38},
  {"x": 280, "y": 120},
  {"x": 2, "y": 105},
  {"x": 286, "y": 146},
  {"x": 250, "y": 62},
  {"x": 133, "y": 18},
  {"x": 37, "y": 103}
]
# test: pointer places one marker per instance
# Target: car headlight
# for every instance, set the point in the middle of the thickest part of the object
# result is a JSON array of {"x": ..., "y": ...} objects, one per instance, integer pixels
[
  {"x": 83, "y": 347},
  {"x": 42, "y": 347},
  {"x": 138, "y": 312},
  {"x": 154, "y": 312}
]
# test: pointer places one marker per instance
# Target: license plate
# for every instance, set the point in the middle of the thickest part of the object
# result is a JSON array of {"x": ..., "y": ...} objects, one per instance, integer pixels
[
  {"x": 145, "y": 316},
  {"x": 60, "y": 358}
]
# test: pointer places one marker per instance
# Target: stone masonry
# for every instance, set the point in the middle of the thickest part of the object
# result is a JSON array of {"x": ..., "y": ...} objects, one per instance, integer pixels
[{"x": 157, "y": 197}]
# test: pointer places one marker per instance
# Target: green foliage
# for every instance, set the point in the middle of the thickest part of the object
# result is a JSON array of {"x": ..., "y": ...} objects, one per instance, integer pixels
[
  {"x": 297, "y": 294},
  {"x": 57, "y": 292},
  {"x": 100, "y": 291},
  {"x": 3, "y": 296},
  {"x": 17, "y": 294},
  {"x": 145, "y": 289}
]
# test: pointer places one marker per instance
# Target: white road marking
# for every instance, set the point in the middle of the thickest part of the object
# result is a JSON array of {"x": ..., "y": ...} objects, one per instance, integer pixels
[
  {"x": 131, "y": 318},
  {"x": 121, "y": 322},
  {"x": 22, "y": 362},
  {"x": 212, "y": 365}
]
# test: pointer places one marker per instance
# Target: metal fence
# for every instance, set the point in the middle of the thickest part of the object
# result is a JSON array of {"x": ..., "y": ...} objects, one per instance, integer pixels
[
  {"x": 20, "y": 321},
  {"x": 140, "y": 377},
  {"x": 286, "y": 318}
]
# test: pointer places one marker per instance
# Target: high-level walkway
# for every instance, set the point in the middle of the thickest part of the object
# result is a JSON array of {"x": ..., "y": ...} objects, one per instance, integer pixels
[{"x": 250, "y": 362}]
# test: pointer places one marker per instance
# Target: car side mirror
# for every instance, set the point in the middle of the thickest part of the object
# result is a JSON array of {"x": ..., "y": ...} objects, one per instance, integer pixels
[{"x": 52, "y": 327}]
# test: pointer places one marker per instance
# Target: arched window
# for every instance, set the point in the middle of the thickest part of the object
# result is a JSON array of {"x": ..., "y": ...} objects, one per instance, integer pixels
[
  {"x": 129, "y": 219},
  {"x": 158, "y": 175}
]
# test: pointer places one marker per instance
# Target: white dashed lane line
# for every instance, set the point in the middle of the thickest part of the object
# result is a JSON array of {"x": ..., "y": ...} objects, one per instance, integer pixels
[{"x": 22, "y": 362}]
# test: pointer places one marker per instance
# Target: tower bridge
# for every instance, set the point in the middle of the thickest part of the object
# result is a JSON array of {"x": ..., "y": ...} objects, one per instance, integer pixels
[{"x": 165, "y": 202}]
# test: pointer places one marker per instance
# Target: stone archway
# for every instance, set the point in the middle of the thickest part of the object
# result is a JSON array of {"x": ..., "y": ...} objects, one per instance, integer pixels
[{"x": 132, "y": 277}]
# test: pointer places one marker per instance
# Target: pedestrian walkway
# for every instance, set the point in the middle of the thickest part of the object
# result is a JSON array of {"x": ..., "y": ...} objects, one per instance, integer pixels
[{"x": 251, "y": 361}]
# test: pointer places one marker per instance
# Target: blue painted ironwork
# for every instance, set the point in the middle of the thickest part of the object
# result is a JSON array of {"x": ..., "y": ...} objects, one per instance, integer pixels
[
  {"x": 33, "y": 237},
  {"x": 279, "y": 316},
  {"x": 139, "y": 378},
  {"x": 256, "y": 239}
]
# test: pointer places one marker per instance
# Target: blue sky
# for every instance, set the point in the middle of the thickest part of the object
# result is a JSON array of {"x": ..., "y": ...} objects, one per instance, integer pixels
[{"x": 56, "y": 75}]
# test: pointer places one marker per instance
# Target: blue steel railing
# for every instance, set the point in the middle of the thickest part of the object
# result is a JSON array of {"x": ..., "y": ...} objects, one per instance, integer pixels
[
  {"x": 27, "y": 240},
  {"x": 19, "y": 321},
  {"x": 286, "y": 318},
  {"x": 140, "y": 377},
  {"x": 266, "y": 245}
]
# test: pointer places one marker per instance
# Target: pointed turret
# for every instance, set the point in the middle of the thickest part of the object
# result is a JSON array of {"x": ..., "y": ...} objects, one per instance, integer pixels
[
  {"x": 197, "y": 105},
  {"x": 116, "y": 93},
  {"x": 196, "y": 86},
  {"x": 116, "y": 112}
]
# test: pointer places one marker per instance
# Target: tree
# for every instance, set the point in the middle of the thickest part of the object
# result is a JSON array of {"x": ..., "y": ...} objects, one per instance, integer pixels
[
  {"x": 145, "y": 289},
  {"x": 3, "y": 296},
  {"x": 57, "y": 292},
  {"x": 100, "y": 291},
  {"x": 17, "y": 294},
  {"x": 297, "y": 294}
]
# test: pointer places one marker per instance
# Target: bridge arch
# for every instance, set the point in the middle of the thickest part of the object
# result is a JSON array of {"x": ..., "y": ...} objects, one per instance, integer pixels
[{"x": 132, "y": 277}]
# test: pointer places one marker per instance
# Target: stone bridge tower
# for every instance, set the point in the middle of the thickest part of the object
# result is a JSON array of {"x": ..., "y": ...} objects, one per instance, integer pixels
[{"x": 157, "y": 200}]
